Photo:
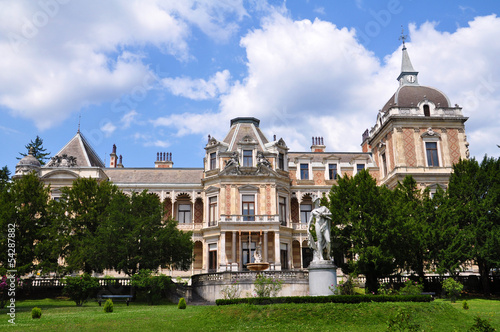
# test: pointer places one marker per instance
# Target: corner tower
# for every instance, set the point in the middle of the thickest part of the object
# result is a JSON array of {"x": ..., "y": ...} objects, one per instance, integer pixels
[{"x": 417, "y": 132}]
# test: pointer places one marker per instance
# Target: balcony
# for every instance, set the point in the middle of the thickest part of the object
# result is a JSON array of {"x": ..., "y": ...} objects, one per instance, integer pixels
[
  {"x": 249, "y": 218},
  {"x": 190, "y": 226}
]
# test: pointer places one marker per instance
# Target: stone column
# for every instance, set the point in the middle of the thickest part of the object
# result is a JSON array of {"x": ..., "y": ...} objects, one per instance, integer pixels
[
  {"x": 222, "y": 249},
  {"x": 277, "y": 251},
  {"x": 239, "y": 252},
  {"x": 266, "y": 258},
  {"x": 233, "y": 249}
]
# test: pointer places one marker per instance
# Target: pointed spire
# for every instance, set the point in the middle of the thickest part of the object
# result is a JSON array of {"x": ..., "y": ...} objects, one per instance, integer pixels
[{"x": 408, "y": 75}]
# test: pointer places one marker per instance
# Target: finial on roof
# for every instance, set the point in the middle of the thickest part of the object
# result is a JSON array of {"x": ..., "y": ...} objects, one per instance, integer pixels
[
  {"x": 79, "y": 120},
  {"x": 403, "y": 37}
]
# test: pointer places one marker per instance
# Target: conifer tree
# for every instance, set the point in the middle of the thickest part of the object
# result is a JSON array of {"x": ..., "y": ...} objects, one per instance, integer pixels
[{"x": 38, "y": 150}]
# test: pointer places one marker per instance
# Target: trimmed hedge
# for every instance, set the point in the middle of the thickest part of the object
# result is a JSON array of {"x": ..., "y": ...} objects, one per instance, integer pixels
[{"x": 327, "y": 299}]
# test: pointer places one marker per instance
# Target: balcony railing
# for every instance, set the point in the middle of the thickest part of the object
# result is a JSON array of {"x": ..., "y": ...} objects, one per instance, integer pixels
[
  {"x": 249, "y": 218},
  {"x": 190, "y": 226}
]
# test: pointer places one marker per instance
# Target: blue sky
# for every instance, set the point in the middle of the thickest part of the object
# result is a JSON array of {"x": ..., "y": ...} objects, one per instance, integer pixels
[{"x": 159, "y": 76}]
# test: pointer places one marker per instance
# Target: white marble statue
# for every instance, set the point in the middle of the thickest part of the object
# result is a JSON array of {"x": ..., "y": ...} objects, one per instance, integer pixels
[
  {"x": 257, "y": 255},
  {"x": 321, "y": 218}
]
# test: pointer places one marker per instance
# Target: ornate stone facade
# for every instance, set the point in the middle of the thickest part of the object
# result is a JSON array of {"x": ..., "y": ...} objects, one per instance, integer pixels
[{"x": 251, "y": 190}]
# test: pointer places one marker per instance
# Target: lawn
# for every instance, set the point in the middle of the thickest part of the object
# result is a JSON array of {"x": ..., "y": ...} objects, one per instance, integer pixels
[{"x": 59, "y": 315}]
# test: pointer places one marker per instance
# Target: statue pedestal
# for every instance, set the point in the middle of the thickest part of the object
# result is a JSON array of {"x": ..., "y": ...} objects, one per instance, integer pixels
[{"x": 322, "y": 275}]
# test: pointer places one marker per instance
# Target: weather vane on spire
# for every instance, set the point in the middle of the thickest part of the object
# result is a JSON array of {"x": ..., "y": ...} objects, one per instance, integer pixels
[{"x": 403, "y": 37}]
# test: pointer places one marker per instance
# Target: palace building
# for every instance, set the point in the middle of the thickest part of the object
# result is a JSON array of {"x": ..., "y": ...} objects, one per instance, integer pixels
[{"x": 253, "y": 191}]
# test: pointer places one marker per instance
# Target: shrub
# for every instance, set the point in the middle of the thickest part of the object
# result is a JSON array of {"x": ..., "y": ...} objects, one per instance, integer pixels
[
  {"x": 36, "y": 313},
  {"x": 108, "y": 306},
  {"x": 452, "y": 289},
  {"x": 231, "y": 291},
  {"x": 465, "y": 305},
  {"x": 402, "y": 321},
  {"x": 411, "y": 288},
  {"x": 327, "y": 299},
  {"x": 153, "y": 287},
  {"x": 80, "y": 288},
  {"x": 481, "y": 325},
  {"x": 386, "y": 289},
  {"x": 344, "y": 288},
  {"x": 182, "y": 303},
  {"x": 267, "y": 287}
]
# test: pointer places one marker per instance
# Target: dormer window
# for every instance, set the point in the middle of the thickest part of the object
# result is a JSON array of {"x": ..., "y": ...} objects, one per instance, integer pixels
[
  {"x": 281, "y": 161},
  {"x": 213, "y": 160},
  {"x": 427, "y": 111},
  {"x": 247, "y": 158}
]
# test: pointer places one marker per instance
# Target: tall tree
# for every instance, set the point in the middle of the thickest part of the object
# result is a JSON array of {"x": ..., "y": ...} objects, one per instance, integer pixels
[
  {"x": 4, "y": 177},
  {"x": 38, "y": 150},
  {"x": 145, "y": 241},
  {"x": 361, "y": 227},
  {"x": 411, "y": 226},
  {"x": 25, "y": 207},
  {"x": 84, "y": 207},
  {"x": 474, "y": 194}
]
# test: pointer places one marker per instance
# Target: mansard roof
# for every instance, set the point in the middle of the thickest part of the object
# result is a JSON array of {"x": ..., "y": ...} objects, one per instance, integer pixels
[
  {"x": 78, "y": 147},
  {"x": 245, "y": 130}
]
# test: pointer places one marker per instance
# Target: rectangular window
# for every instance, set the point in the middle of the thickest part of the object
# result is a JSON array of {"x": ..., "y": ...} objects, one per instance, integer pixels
[
  {"x": 384, "y": 165},
  {"x": 305, "y": 212},
  {"x": 212, "y": 214},
  {"x": 284, "y": 256},
  {"x": 282, "y": 210},
  {"x": 248, "y": 207},
  {"x": 184, "y": 215},
  {"x": 247, "y": 158},
  {"x": 332, "y": 171},
  {"x": 281, "y": 161},
  {"x": 212, "y": 257},
  {"x": 213, "y": 160},
  {"x": 432, "y": 154},
  {"x": 304, "y": 171},
  {"x": 360, "y": 167}
]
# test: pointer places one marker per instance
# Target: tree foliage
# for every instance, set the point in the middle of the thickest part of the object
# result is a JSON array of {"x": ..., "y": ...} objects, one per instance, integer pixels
[
  {"x": 107, "y": 229},
  {"x": 4, "y": 177},
  {"x": 146, "y": 241},
  {"x": 38, "y": 150},
  {"x": 84, "y": 207},
  {"x": 362, "y": 228},
  {"x": 26, "y": 206},
  {"x": 474, "y": 196}
]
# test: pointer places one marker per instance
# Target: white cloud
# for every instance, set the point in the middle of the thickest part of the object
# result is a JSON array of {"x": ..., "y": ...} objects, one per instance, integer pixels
[
  {"x": 60, "y": 56},
  {"x": 312, "y": 79},
  {"x": 108, "y": 128},
  {"x": 199, "y": 89},
  {"x": 319, "y": 10},
  {"x": 128, "y": 119}
]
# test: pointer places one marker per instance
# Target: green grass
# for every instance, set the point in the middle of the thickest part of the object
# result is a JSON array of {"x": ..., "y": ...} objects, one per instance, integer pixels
[{"x": 63, "y": 315}]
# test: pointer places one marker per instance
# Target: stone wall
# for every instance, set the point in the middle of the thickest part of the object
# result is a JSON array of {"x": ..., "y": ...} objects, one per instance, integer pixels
[{"x": 209, "y": 285}]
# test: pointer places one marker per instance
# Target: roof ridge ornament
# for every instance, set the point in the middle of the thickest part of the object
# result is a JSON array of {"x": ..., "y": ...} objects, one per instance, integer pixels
[{"x": 403, "y": 37}]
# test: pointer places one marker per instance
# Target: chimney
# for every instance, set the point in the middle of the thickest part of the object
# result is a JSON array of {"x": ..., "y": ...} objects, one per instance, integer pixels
[
  {"x": 164, "y": 160},
  {"x": 318, "y": 145},
  {"x": 112, "y": 157},
  {"x": 120, "y": 163}
]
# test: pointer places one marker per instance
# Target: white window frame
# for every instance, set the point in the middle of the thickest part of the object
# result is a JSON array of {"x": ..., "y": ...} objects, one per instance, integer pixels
[
  {"x": 216, "y": 209},
  {"x": 436, "y": 140}
]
